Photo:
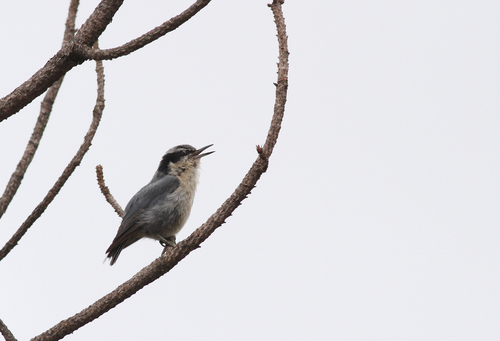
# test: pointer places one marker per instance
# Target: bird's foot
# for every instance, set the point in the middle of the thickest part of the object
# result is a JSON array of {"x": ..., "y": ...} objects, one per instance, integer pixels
[{"x": 167, "y": 242}]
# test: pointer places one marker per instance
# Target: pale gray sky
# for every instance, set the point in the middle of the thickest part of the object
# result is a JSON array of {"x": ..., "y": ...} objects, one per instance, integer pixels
[{"x": 378, "y": 218}]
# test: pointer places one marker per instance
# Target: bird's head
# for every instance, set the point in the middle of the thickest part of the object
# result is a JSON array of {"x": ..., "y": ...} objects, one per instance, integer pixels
[{"x": 181, "y": 158}]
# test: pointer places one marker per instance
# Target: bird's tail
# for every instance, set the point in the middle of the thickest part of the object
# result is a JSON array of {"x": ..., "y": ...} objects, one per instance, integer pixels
[{"x": 114, "y": 251}]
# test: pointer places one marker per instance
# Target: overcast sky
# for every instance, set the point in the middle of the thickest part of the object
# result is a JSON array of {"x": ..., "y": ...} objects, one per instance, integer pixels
[{"x": 378, "y": 218}]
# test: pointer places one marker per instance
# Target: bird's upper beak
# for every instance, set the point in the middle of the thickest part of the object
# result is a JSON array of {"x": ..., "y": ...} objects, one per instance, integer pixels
[{"x": 197, "y": 154}]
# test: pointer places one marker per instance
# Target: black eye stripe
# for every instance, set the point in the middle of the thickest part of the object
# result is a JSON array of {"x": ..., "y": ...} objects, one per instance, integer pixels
[{"x": 174, "y": 155}]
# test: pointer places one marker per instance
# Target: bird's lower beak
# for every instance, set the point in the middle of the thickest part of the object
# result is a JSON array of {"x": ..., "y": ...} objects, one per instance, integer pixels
[{"x": 197, "y": 154}]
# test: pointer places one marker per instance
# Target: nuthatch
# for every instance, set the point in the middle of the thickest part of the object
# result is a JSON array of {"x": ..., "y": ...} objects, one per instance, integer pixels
[{"x": 160, "y": 209}]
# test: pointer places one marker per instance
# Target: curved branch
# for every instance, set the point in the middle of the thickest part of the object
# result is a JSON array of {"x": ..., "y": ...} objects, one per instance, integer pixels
[
  {"x": 79, "y": 50},
  {"x": 77, "y": 159},
  {"x": 6, "y": 333},
  {"x": 282, "y": 83},
  {"x": 63, "y": 61},
  {"x": 133, "y": 45},
  {"x": 45, "y": 110},
  {"x": 105, "y": 191},
  {"x": 174, "y": 255}
]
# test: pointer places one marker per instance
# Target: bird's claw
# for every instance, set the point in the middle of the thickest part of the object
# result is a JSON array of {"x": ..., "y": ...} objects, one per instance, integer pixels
[{"x": 167, "y": 242}]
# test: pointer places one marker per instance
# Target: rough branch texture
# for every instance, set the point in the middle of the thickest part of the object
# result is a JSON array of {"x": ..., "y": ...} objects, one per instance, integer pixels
[
  {"x": 172, "y": 256},
  {"x": 6, "y": 333},
  {"x": 77, "y": 159},
  {"x": 107, "y": 194},
  {"x": 43, "y": 118},
  {"x": 63, "y": 61},
  {"x": 80, "y": 49},
  {"x": 146, "y": 38}
]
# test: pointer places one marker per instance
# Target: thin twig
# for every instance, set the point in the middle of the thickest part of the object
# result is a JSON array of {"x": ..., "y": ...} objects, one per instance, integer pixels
[
  {"x": 77, "y": 159},
  {"x": 172, "y": 256},
  {"x": 45, "y": 110},
  {"x": 7, "y": 334},
  {"x": 74, "y": 53},
  {"x": 133, "y": 45},
  {"x": 282, "y": 83},
  {"x": 105, "y": 191},
  {"x": 63, "y": 61}
]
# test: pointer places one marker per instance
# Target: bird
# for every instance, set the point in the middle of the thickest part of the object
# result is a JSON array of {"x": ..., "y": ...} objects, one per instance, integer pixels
[{"x": 161, "y": 208}]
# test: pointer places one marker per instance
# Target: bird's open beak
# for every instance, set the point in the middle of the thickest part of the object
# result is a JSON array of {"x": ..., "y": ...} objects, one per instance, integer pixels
[{"x": 197, "y": 154}]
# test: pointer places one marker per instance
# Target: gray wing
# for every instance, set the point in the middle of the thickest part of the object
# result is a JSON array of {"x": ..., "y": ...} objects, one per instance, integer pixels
[
  {"x": 147, "y": 197},
  {"x": 130, "y": 229}
]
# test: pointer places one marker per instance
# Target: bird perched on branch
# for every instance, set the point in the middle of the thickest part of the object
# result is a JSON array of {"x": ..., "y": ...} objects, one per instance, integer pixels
[{"x": 160, "y": 209}]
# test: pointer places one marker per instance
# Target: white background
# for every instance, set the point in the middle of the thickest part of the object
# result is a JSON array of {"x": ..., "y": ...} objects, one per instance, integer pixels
[{"x": 378, "y": 218}]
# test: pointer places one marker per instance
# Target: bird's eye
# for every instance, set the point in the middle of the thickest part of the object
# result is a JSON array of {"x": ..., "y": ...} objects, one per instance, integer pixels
[{"x": 174, "y": 157}]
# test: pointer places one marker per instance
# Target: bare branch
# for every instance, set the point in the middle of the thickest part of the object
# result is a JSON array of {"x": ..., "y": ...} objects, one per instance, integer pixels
[
  {"x": 133, "y": 45},
  {"x": 45, "y": 110},
  {"x": 77, "y": 159},
  {"x": 7, "y": 334},
  {"x": 69, "y": 31},
  {"x": 282, "y": 83},
  {"x": 105, "y": 191},
  {"x": 172, "y": 256},
  {"x": 63, "y": 61},
  {"x": 79, "y": 50}
]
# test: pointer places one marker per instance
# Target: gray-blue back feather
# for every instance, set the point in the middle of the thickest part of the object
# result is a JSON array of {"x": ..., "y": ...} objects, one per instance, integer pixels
[
  {"x": 150, "y": 194},
  {"x": 157, "y": 190}
]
